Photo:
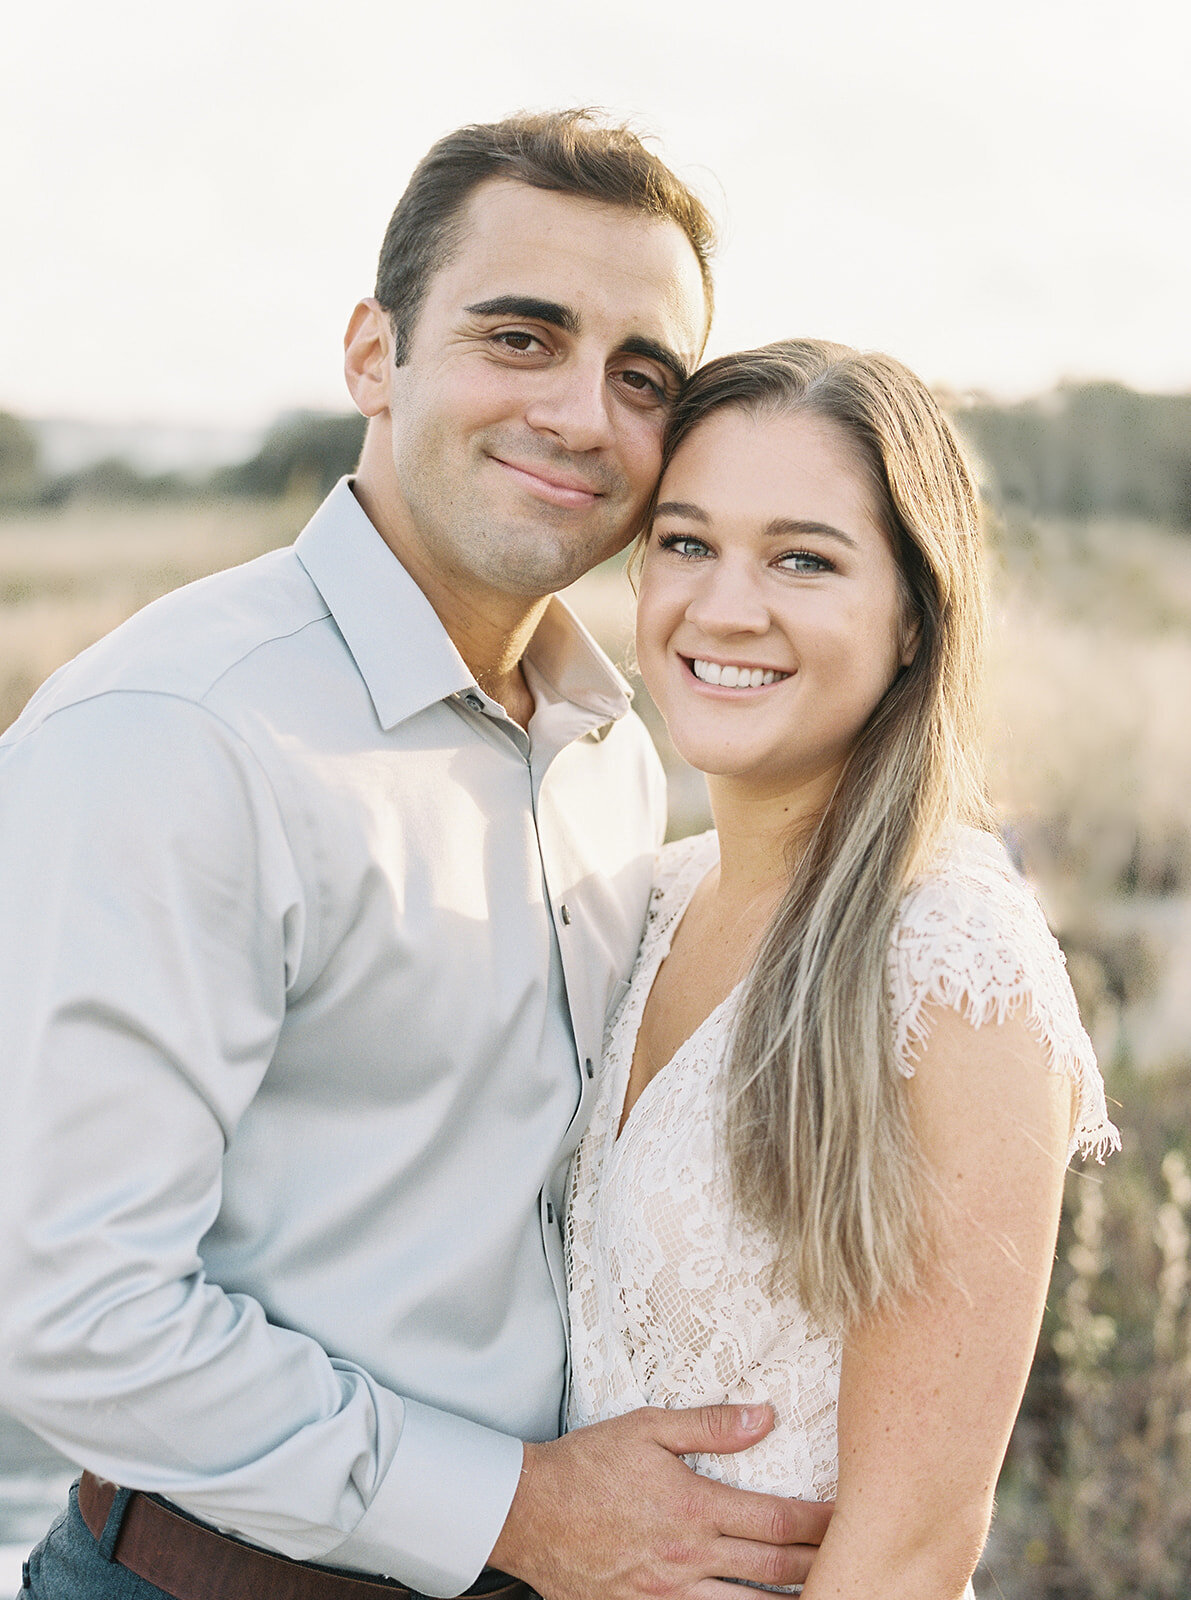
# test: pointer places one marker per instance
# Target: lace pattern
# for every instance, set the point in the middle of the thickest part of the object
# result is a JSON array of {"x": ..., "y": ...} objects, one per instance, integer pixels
[
  {"x": 673, "y": 1300},
  {"x": 972, "y": 937}
]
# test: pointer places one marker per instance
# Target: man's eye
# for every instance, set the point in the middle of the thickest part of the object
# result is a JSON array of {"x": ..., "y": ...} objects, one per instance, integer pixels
[
  {"x": 644, "y": 383},
  {"x": 517, "y": 339}
]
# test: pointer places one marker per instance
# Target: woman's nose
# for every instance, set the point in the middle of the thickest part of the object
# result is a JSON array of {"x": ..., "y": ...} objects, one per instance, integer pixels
[{"x": 728, "y": 601}]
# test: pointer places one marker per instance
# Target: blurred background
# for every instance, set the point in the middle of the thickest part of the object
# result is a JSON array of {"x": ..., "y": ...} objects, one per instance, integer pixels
[{"x": 998, "y": 196}]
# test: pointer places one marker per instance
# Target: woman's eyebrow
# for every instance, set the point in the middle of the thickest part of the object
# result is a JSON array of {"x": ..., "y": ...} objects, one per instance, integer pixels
[
  {"x": 777, "y": 528},
  {"x": 681, "y": 508},
  {"x": 791, "y": 527}
]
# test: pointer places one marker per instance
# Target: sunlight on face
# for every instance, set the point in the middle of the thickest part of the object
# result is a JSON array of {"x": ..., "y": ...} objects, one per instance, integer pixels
[
  {"x": 770, "y": 609},
  {"x": 527, "y": 421}
]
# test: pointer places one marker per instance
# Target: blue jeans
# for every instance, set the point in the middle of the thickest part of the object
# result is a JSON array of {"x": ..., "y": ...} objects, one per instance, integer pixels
[{"x": 71, "y": 1564}]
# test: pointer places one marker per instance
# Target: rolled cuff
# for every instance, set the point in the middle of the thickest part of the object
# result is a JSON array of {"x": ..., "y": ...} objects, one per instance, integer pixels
[{"x": 441, "y": 1505}]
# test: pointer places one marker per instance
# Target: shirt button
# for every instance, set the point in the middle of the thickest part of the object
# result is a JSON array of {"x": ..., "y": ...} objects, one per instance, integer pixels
[
  {"x": 549, "y": 1212},
  {"x": 474, "y": 701},
  {"x": 565, "y": 914},
  {"x": 589, "y": 1068}
]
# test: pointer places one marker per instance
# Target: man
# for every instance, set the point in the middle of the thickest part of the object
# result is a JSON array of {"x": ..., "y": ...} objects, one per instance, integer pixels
[{"x": 318, "y": 879}]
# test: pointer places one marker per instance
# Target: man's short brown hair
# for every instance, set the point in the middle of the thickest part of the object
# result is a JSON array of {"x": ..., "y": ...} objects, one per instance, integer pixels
[{"x": 572, "y": 152}]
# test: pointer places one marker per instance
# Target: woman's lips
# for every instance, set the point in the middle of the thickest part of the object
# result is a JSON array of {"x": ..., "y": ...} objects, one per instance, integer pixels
[{"x": 734, "y": 675}]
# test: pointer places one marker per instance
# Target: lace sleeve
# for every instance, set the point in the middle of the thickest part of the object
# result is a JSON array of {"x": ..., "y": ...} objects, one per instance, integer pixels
[{"x": 972, "y": 937}]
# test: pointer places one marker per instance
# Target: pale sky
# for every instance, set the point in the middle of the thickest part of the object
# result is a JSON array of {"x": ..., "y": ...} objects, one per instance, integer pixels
[{"x": 193, "y": 196}]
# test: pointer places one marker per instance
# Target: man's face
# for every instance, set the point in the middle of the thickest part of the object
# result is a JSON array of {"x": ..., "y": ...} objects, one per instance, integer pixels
[{"x": 526, "y": 424}]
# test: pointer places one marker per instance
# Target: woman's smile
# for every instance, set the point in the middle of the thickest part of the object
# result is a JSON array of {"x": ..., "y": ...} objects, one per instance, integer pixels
[
  {"x": 770, "y": 608},
  {"x": 732, "y": 675}
]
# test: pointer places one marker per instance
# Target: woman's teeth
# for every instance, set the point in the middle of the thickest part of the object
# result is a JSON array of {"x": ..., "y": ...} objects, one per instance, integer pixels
[{"x": 735, "y": 677}]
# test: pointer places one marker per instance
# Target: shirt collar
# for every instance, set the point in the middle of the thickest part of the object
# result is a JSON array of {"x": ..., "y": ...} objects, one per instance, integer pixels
[
  {"x": 400, "y": 647},
  {"x": 575, "y": 668}
]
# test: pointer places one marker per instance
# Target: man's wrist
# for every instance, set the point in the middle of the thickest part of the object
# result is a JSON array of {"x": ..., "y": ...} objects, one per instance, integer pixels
[
  {"x": 433, "y": 1518},
  {"x": 512, "y": 1549}
]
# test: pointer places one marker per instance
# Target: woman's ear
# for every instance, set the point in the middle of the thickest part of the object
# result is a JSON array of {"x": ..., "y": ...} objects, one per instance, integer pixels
[{"x": 908, "y": 637}]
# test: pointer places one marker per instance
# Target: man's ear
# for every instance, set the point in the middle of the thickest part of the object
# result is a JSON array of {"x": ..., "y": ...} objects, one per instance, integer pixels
[{"x": 368, "y": 357}]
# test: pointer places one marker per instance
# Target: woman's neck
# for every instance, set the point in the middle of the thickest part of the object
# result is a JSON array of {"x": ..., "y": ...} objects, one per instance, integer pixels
[{"x": 761, "y": 833}]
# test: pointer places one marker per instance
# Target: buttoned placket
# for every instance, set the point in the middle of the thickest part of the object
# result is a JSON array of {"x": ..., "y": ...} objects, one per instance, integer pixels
[
  {"x": 495, "y": 715},
  {"x": 550, "y": 1205}
]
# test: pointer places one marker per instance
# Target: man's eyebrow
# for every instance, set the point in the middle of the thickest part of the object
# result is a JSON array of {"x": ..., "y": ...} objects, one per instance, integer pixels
[
  {"x": 564, "y": 317},
  {"x": 521, "y": 305},
  {"x": 638, "y": 345}
]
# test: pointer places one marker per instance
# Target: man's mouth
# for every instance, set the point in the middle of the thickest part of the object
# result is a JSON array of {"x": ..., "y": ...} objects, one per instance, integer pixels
[
  {"x": 733, "y": 676},
  {"x": 550, "y": 483}
]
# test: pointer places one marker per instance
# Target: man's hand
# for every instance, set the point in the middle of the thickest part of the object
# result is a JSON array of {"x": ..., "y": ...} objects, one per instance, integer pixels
[{"x": 610, "y": 1513}]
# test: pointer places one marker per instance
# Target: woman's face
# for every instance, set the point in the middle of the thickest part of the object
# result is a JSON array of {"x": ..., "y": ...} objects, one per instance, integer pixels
[{"x": 769, "y": 613}]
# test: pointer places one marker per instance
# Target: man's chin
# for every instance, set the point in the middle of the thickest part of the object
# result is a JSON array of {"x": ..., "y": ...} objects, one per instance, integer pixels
[{"x": 551, "y": 565}]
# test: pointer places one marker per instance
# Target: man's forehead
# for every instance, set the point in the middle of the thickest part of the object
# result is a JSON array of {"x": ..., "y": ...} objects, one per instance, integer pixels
[{"x": 513, "y": 240}]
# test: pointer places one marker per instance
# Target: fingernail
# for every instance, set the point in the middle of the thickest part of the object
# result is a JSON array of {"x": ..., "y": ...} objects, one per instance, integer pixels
[{"x": 751, "y": 1417}]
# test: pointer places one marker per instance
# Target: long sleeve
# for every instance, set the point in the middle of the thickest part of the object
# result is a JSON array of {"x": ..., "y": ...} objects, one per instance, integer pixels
[
  {"x": 152, "y": 915},
  {"x": 305, "y": 951}
]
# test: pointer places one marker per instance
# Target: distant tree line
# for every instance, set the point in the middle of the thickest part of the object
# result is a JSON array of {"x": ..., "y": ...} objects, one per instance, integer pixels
[
  {"x": 1092, "y": 449},
  {"x": 303, "y": 452},
  {"x": 1084, "y": 450}
]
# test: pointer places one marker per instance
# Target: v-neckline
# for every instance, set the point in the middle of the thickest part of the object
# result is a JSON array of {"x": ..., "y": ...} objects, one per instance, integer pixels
[{"x": 619, "y": 1122}]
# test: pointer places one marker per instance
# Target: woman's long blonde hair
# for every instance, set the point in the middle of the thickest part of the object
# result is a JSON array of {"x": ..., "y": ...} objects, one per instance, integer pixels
[{"x": 818, "y": 1140}]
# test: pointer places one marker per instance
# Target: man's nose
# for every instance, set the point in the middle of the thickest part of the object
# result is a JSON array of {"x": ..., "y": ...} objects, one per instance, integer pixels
[{"x": 573, "y": 404}]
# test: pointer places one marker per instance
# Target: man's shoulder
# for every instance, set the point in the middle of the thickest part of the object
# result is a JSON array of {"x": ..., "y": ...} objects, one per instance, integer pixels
[{"x": 190, "y": 640}]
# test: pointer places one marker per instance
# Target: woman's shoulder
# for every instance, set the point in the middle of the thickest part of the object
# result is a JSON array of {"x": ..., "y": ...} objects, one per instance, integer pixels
[
  {"x": 971, "y": 883},
  {"x": 970, "y": 933},
  {"x": 971, "y": 936}
]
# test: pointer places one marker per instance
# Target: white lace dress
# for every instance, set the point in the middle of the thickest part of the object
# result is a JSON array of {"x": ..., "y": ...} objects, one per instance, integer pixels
[{"x": 672, "y": 1300}]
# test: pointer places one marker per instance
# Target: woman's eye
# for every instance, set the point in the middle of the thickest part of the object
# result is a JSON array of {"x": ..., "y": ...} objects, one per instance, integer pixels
[
  {"x": 683, "y": 544},
  {"x": 804, "y": 561}
]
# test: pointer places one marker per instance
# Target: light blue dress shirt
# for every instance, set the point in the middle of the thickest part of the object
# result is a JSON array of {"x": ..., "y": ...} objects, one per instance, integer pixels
[{"x": 305, "y": 953}]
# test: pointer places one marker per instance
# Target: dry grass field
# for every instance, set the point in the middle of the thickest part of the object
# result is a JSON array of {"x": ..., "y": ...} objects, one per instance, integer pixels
[
  {"x": 67, "y": 578},
  {"x": 1089, "y": 718}
]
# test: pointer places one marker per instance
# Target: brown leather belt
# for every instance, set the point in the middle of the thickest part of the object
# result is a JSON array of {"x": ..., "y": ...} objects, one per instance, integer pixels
[{"x": 194, "y": 1562}]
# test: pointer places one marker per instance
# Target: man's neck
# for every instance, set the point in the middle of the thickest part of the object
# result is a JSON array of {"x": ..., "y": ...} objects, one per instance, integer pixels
[
  {"x": 490, "y": 630},
  {"x": 506, "y": 683}
]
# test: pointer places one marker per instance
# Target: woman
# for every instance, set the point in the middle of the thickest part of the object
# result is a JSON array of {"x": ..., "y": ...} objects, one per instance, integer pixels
[{"x": 825, "y": 1167}]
